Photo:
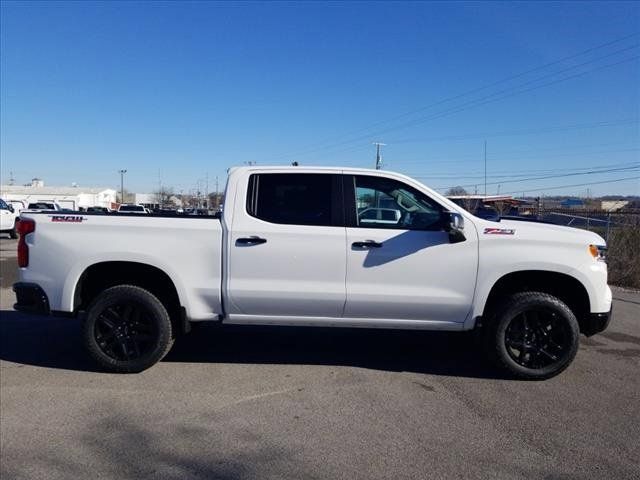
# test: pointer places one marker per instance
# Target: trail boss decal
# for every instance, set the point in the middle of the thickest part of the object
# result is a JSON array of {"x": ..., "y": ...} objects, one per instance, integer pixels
[
  {"x": 67, "y": 218},
  {"x": 499, "y": 231}
]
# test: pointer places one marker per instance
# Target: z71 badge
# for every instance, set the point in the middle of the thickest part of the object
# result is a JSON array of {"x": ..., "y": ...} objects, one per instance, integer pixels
[
  {"x": 499, "y": 231},
  {"x": 67, "y": 218}
]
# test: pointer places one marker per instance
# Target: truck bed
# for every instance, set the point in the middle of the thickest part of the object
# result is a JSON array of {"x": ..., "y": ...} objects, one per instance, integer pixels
[{"x": 187, "y": 248}]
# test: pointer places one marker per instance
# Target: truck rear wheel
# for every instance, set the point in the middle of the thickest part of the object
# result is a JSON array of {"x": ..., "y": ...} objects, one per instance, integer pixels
[
  {"x": 127, "y": 329},
  {"x": 533, "y": 335}
]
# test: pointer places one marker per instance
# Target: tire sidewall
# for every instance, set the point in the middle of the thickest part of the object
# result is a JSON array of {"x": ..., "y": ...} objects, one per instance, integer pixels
[
  {"x": 121, "y": 295},
  {"x": 521, "y": 303}
]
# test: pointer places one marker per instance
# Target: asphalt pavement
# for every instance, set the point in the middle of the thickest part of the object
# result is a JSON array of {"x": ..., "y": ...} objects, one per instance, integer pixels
[{"x": 295, "y": 403}]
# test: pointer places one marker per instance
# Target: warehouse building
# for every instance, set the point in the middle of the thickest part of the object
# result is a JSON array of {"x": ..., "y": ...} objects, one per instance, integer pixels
[{"x": 72, "y": 198}]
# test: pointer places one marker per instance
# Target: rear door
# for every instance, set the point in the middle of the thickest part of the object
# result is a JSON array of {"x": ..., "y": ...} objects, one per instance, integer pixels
[
  {"x": 287, "y": 247},
  {"x": 400, "y": 262}
]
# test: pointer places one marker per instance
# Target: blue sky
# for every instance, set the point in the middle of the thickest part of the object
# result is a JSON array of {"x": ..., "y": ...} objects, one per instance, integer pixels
[{"x": 176, "y": 91}]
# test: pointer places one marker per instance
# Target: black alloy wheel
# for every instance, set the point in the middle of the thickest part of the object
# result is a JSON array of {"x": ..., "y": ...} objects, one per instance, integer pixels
[
  {"x": 532, "y": 335},
  {"x": 127, "y": 329},
  {"x": 537, "y": 338}
]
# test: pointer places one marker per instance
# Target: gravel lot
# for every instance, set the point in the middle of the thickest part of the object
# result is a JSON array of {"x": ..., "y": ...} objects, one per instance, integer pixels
[{"x": 312, "y": 403}]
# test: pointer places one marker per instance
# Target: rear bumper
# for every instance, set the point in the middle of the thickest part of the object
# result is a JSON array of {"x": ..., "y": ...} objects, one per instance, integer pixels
[
  {"x": 596, "y": 322},
  {"x": 30, "y": 298}
]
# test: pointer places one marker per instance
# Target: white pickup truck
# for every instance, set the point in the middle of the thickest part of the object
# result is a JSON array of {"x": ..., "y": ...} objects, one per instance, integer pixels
[
  {"x": 8, "y": 218},
  {"x": 290, "y": 248}
]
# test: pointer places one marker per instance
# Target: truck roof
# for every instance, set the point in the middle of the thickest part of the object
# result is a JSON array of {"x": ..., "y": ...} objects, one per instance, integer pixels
[{"x": 309, "y": 168}]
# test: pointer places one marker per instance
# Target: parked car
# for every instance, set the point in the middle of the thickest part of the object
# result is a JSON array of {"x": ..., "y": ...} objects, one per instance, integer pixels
[
  {"x": 8, "y": 219},
  {"x": 18, "y": 205},
  {"x": 132, "y": 208},
  {"x": 488, "y": 213},
  {"x": 98, "y": 209},
  {"x": 44, "y": 206},
  {"x": 289, "y": 249},
  {"x": 379, "y": 216}
]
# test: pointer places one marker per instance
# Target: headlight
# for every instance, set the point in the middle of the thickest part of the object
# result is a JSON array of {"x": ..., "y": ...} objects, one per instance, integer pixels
[{"x": 599, "y": 252}]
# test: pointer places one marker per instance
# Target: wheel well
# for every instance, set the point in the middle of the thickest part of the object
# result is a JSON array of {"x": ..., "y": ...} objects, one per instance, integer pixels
[
  {"x": 101, "y": 276},
  {"x": 565, "y": 287}
]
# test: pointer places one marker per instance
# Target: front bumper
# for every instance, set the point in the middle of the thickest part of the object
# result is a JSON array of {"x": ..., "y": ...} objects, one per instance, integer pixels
[
  {"x": 596, "y": 322},
  {"x": 31, "y": 298}
]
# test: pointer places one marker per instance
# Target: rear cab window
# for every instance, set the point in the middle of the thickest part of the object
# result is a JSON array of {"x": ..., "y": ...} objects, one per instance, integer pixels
[{"x": 296, "y": 198}]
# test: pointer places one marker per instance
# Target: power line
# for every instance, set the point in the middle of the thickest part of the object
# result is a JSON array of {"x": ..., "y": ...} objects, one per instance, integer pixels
[
  {"x": 528, "y": 157},
  {"x": 574, "y": 185},
  {"x": 311, "y": 148},
  {"x": 472, "y": 104},
  {"x": 524, "y": 173},
  {"x": 546, "y": 177},
  {"x": 487, "y": 99},
  {"x": 508, "y": 133}
]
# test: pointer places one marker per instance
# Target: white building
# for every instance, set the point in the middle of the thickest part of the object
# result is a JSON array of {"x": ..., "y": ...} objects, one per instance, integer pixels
[
  {"x": 67, "y": 197},
  {"x": 613, "y": 205},
  {"x": 145, "y": 198}
]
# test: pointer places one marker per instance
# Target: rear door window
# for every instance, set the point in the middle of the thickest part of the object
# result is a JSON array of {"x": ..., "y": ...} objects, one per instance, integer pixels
[{"x": 295, "y": 198}]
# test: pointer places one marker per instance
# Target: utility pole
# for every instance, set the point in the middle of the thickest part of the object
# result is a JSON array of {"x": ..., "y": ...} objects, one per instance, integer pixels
[
  {"x": 206, "y": 193},
  {"x": 122, "y": 172},
  {"x": 378, "y": 156},
  {"x": 217, "y": 198},
  {"x": 485, "y": 168}
]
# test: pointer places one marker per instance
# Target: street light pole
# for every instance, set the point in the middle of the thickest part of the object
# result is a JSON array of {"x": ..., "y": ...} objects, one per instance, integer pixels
[{"x": 122, "y": 172}]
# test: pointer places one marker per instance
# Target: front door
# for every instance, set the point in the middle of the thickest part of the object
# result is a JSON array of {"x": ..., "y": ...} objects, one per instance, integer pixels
[
  {"x": 400, "y": 262},
  {"x": 287, "y": 248}
]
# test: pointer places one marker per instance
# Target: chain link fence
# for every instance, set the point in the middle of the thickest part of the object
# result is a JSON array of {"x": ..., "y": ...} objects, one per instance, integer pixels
[{"x": 622, "y": 233}]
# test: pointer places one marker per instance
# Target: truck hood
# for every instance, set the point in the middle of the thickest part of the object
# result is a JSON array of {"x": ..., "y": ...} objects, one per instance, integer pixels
[{"x": 544, "y": 231}]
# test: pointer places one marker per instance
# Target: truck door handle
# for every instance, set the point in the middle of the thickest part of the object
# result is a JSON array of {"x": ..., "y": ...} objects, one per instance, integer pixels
[
  {"x": 250, "y": 241},
  {"x": 366, "y": 244}
]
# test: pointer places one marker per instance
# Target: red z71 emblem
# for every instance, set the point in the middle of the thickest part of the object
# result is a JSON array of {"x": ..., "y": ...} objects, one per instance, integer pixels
[
  {"x": 499, "y": 231},
  {"x": 67, "y": 218}
]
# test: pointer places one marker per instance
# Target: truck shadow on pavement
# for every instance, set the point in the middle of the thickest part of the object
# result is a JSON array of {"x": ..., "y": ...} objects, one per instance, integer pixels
[
  {"x": 55, "y": 343},
  {"x": 436, "y": 353}
]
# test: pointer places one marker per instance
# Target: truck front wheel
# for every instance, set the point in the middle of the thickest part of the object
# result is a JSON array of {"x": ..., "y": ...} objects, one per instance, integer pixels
[
  {"x": 127, "y": 329},
  {"x": 533, "y": 335}
]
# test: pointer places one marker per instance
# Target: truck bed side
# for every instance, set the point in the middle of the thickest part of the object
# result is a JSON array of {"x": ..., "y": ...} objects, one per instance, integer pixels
[{"x": 188, "y": 250}]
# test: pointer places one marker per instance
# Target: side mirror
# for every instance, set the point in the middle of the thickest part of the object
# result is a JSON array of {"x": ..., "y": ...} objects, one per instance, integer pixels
[
  {"x": 453, "y": 224},
  {"x": 10, "y": 208}
]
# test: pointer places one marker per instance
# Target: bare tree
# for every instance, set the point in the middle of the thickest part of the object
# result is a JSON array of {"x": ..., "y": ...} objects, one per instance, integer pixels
[
  {"x": 455, "y": 191},
  {"x": 128, "y": 197},
  {"x": 162, "y": 196}
]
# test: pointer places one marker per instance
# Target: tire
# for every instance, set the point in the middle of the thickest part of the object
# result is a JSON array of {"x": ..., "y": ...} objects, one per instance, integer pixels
[
  {"x": 127, "y": 329},
  {"x": 533, "y": 336},
  {"x": 12, "y": 233}
]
